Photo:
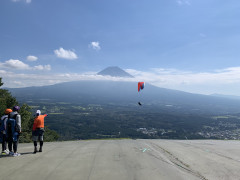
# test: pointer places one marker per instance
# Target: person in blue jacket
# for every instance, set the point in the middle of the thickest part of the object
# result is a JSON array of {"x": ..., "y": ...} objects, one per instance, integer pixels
[
  {"x": 13, "y": 131},
  {"x": 3, "y": 123}
]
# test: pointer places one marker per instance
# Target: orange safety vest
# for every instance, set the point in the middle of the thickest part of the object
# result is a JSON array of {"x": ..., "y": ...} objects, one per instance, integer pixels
[{"x": 39, "y": 122}]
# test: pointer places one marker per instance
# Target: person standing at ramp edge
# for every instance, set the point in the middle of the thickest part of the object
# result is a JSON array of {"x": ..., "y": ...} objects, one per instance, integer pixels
[
  {"x": 13, "y": 131},
  {"x": 3, "y": 128},
  {"x": 38, "y": 130}
]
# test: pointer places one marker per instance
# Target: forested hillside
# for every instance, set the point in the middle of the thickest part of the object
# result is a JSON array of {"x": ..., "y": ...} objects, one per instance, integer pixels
[{"x": 8, "y": 101}]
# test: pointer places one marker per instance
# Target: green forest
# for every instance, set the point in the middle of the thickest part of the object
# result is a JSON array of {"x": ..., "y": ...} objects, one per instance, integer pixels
[
  {"x": 74, "y": 121},
  {"x": 8, "y": 101}
]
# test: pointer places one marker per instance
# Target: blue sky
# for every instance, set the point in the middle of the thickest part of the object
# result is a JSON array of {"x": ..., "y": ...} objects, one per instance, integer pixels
[{"x": 189, "y": 45}]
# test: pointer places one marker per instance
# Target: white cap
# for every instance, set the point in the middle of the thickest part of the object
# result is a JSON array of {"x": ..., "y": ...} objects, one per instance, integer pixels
[{"x": 38, "y": 112}]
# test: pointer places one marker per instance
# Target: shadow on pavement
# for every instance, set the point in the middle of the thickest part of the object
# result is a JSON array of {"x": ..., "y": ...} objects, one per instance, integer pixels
[{"x": 25, "y": 153}]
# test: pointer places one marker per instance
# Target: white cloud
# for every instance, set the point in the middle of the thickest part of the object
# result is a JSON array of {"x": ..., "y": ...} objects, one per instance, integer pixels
[
  {"x": 65, "y": 54},
  {"x": 13, "y": 79},
  {"x": 14, "y": 64},
  {"x": 225, "y": 81},
  {"x": 95, "y": 45},
  {"x": 183, "y": 2},
  {"x": 3, "y": 72},
  {"x": 32, "y": 58},
  {"x": 26, "y": 1},
  {"x": 41, "y": 67},
  {"x": 222, "y": 81}
]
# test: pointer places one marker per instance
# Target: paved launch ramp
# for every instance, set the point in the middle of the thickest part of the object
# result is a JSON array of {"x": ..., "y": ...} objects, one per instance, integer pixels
[{"x": 125, "y": 160}]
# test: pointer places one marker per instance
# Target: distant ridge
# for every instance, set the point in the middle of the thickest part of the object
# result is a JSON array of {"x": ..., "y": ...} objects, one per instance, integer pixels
[
  {"x": 126, "y": 94},
  {"x": 115, "y": 72},
  {"x": 226, "y": 96}
]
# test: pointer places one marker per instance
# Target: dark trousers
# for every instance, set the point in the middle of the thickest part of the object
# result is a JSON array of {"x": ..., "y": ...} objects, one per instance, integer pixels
[
  {"x": 35, "y": 143},
  {"x": 4, "y": 142},
  {"x": 13, "y": 144}
]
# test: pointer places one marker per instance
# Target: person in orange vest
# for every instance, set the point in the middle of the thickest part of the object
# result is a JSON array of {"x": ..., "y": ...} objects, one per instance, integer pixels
[{"x": 38, "y": 130}]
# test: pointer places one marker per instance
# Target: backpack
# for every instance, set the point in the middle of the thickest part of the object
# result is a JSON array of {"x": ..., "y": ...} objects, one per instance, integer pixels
[
  {"x": 1, "y": 129},
  {"x": 2, "y": 125},
  {"x": 12, "y": 130}
]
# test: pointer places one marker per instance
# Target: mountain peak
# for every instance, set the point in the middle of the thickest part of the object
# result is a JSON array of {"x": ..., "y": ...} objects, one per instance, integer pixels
[{"x": 114, "y": 71}]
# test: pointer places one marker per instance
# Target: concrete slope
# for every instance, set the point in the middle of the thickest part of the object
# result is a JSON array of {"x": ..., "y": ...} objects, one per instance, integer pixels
[{"x": 125, "y": 160}]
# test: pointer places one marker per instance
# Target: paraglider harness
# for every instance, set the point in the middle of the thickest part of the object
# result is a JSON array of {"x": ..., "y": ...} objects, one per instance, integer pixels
[{"x": 12, "y": 130}]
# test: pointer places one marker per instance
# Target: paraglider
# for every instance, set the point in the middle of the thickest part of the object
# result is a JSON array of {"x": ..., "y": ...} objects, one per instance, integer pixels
[{"x": 140, "y": 87}]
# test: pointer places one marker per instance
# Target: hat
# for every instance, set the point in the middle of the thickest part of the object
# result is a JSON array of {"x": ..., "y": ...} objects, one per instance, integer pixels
[
  {"x": 16, "y": 108},
  {"x": 38, "y": 112},
  {"x": 8, "y": 111}
]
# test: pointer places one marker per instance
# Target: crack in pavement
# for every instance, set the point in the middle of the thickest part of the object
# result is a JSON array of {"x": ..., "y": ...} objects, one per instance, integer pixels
[{"x": 176, "y": 161}]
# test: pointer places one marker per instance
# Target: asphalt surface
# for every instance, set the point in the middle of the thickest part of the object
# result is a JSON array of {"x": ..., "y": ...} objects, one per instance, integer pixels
[{"x": 125, "y": 160}]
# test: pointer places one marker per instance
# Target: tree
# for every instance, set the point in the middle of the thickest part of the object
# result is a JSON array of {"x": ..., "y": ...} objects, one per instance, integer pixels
[
  {"x": 27, "y": 121},
  {"x": 1, "y": 83},
  {"x": 8, "y": 101}
]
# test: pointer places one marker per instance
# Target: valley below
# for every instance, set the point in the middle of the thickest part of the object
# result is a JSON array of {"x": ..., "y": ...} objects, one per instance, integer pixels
[
  {"x": 74, "y": 121},
  {"x": 108, "y": 109}
]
